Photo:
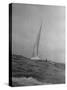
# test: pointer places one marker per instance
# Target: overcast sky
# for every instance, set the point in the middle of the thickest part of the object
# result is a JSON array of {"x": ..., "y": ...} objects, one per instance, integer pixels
[{"x": 26, "y": 21}]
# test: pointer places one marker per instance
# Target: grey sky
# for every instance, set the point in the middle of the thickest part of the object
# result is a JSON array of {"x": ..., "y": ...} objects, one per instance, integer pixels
[{"x": 26, "y": 20}]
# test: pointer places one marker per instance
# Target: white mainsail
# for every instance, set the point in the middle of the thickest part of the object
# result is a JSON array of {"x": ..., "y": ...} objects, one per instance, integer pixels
[{"x": 36, "y": 46}]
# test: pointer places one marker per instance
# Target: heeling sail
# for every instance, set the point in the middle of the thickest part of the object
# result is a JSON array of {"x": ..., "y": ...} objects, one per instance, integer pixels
[{"x": 36, "y": 45}]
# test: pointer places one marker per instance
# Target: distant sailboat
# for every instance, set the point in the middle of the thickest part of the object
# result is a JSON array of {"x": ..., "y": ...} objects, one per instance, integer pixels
[{"x": 36, "y": 46}]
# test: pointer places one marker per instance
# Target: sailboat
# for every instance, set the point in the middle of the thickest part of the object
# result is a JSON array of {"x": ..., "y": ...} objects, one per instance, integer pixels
[{"x": 35, "y": 54}]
